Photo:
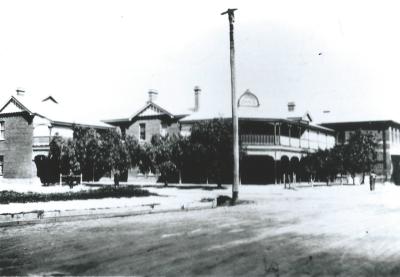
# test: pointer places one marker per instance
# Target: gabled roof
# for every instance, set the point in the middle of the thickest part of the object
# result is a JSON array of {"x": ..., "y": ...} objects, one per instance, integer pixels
[
  {"x": 305, "y": 117},
  {"x": 308, "y": 115},
  {"x": 14, "y": 106},
  {"x": 150, "y": 109},
  {"x": 50, "y": 98},
  {"x": 47, "y": 108}
]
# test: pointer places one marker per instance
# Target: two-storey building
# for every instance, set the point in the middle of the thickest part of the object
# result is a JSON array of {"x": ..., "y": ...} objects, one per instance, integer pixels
[
  {"x": 149, "y": 120},
  {"x": 387, "y": 135},
  {"x": 27, "y": 124},
  {"x": 272, "y": 142}
]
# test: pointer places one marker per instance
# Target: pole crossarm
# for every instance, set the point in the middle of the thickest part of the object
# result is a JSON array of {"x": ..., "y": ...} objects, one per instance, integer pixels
[{"x": 231, "y": 14}]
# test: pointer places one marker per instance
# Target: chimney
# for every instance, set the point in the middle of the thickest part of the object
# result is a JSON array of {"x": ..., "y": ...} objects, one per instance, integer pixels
[
  {"x": 291, "y": 106},
  {"x": 152, "y": 95},
  {"x": 20, "y": 92},
  {"x": 197, "y": 91}
]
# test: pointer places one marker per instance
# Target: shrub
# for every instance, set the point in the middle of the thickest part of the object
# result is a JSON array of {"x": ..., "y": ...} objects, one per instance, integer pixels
[
  {"x": 223, "y": 200},
  {"x": 7, "y": 197}
]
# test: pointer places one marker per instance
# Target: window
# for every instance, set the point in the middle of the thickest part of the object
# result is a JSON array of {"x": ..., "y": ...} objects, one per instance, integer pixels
[
  {"x": 341, "y": 137},
  {"x": 142, "y": 131},
  {"x": 163, "y": 131},
  {"x": 123, "y": 133},
  {"x": 2, "y": 129},
  {"x": 1, "y": 165}
]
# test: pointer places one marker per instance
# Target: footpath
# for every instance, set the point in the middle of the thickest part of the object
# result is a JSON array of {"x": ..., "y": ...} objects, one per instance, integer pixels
[{"x": 171, "y": 199}]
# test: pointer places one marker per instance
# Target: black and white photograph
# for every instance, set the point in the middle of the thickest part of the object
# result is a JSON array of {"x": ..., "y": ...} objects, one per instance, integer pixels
[{"x": 199, "y": 138}]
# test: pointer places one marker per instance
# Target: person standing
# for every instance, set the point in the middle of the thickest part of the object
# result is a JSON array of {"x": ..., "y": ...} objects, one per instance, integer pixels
[{"x": 372, "y": 177}]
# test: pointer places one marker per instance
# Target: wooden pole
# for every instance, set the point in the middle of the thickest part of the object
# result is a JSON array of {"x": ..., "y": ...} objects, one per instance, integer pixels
[{"x": 235, "y": 121}]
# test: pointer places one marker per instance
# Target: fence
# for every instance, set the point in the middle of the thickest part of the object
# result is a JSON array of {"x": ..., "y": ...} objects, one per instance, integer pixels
[{"x": 70, "y": 178}]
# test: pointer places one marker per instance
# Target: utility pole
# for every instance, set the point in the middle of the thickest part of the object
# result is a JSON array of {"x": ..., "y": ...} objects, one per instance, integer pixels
[{"x": 235, "y": 121}]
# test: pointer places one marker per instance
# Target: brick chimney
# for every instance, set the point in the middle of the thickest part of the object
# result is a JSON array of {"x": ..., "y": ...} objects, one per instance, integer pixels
[
  {"x": 20, "y": 91},
  {"x": 291, "y": 106},
  {"x": 152, "y": 95},
  {"x": 197, "y": 91}
]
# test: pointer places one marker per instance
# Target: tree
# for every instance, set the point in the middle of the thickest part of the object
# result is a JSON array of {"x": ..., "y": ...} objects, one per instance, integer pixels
[
  {"x": 337, "y": 160},
  {"x": 41, "y": 162},
  {"x": 212, "y": 139},
  {"x": 318, "y": 165},
  {"x": 95, "y": 153},
  {"x": 116, "y": 154},
  {"x": 308, "y": 163},
  {"x": 161, "y": 156},
  {"x": 54, "y": 157},
  {"x": 321, "y": 164},
  {"x": 180, "y": 148},
  {"x": 145, "y": 159},
  {"x": 68, "y": 159},
  {"x": 357, "y": 156},
  {"x": 360, "y": 153},
  {"x": 62, "y": 159},
  {"x": 87, "y": 150},
  {"x": 133, "y": 148}
]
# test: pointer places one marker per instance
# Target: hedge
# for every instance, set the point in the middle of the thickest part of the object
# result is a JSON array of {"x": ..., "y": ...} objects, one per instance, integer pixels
[{"x": 7, "y": 197}]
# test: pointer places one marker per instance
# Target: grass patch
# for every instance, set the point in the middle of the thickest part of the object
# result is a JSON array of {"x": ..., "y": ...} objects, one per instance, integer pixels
[{"x": 7, "y": 197}]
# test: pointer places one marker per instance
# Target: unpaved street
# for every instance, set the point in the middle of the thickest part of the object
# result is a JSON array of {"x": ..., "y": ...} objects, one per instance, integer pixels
[{"x": 311, "y": 231}]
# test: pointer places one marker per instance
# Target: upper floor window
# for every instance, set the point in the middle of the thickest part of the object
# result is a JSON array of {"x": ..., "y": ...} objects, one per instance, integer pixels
[
  {"x": 142, "y": 131},
  {"x": 123, "y": 133},
  {"x": 2, "y": 129},
  {"x": 341, "y": 137}
]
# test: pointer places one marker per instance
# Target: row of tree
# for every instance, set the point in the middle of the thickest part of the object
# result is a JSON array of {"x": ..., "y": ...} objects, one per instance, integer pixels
[
  {"x": 90, "y": 153},
  {"x": 357, "y": 156},
  {"x": 204, "y": 156}
]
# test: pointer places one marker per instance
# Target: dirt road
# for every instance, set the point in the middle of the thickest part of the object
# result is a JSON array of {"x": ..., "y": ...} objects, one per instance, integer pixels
[{"x": 345, "y": 231}]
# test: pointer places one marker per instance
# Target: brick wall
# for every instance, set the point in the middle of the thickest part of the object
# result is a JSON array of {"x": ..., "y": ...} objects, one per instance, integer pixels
[
  {"x": 153, "y": 127},
  {"x": 16, "y": 148}
]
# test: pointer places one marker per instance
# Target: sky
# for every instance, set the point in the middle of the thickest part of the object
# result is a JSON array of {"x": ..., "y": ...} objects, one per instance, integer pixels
[{"x": 100, "y": 58}]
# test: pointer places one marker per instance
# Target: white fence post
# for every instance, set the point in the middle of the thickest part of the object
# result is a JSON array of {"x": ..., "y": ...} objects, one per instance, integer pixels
[
  {"x": 81, "y": 179},
  {"x": 60, "y": 179}
]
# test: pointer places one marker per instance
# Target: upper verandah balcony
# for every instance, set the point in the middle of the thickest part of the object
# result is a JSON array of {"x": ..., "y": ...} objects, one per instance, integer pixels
[{"x": 285, "y": 133}]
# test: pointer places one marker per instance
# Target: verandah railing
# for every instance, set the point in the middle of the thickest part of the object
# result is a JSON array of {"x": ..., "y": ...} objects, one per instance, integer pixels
[
  {"x": 41, "y": 140},
  {"x": 259, "y": 139},
  {"x": 255, "y": 139}
]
